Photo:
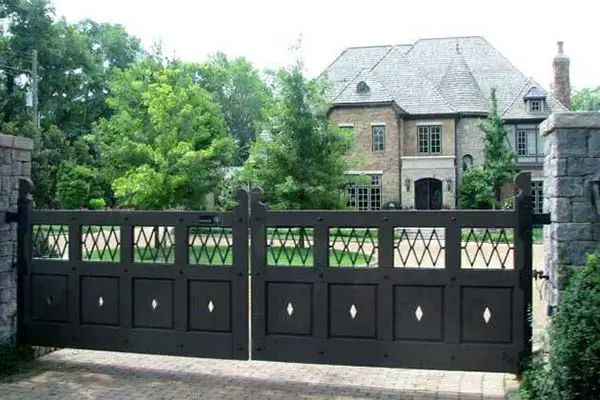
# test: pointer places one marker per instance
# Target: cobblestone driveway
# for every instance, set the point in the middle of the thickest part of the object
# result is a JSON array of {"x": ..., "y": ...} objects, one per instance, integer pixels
[{"x": 78, "y": 374}]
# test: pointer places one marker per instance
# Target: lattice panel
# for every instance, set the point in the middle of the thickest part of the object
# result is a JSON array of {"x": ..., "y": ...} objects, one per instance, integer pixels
[
  {"x": 487, "y": 248},
  {"x": 210, "y": 245},
  {"x": 154, "y": 244},
  {"x": 290, "y": 246},
  {"x": 419, "y": 247},
  {"x": 353, "y": 247},
  {"x": 50, "y": 242},
  {"x": 100, "y": 243}
]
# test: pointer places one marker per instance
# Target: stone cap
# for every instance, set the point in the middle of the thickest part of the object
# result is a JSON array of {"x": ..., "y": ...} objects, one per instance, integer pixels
[
  {"x": 15, "y": 142},
  {"x": 570, "y": 120}
]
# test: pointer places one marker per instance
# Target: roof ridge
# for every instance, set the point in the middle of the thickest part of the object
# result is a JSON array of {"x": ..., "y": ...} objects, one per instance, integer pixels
[
  {"x": 382, "y": 57},
  {"x": 347, "y": 84},
  {"x": 369, "y": 47},
  {"x": 516, "y": 96},
  {"x": 504, "y": 57},
  {"x": 427, "y": 81}
]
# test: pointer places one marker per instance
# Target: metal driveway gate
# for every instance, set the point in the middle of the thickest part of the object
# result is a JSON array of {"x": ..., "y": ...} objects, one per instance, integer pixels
[
  {"x": 412, "y": 289},
  {"x": 164, "y": 282}
]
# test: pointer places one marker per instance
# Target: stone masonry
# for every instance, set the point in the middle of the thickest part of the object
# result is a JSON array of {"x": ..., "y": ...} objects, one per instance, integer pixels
[
  {"x": 571, "y": 165},
  {"x": 15, "y": 163}
]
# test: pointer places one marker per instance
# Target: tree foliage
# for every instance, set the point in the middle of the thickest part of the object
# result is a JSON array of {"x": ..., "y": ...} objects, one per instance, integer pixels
[
  {"x": 77, "y": 185},
  {"x": 166, "y": 142},
  {"x": 586, "y": 99},
  {"x": 242, "y": 94},
  {"x": 476, "y": 191},
  {"x": 302, "y": 165},
  {"x": 499, "y": 164}
]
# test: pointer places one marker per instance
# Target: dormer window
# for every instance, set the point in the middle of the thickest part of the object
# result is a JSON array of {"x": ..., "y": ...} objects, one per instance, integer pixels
[
  {"x": 535, "y": 100},
  {"x": 362, "y": 87}
]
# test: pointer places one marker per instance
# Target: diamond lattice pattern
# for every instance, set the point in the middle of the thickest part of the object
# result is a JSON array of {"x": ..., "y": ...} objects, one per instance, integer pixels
[
  {"x": 487, "y": 248},
  {"x": 353, "y": 247},
  {"x": 419, "y": 247},
  {"x": 210, "y": 245},
  {"x": 154, "y": 244},
  {"x": 100, "y": 243},
  {"x": 290, "y": 246},
  {"x": 50, "y": 242}
]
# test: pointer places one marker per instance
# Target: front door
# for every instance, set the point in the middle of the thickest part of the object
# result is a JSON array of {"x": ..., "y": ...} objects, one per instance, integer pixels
[{"x": 428, "y": 194}]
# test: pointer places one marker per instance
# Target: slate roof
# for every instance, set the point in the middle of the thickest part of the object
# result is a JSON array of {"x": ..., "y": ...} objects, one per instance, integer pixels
[{"x": 434, "y": 76}]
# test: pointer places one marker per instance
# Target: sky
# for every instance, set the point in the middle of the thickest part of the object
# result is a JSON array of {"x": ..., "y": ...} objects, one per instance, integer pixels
[{"x": 265, "y": 31}]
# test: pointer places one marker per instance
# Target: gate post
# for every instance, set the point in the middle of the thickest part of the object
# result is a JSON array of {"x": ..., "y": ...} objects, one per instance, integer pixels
[
  {"x": 24, "y": 247},
  {"x": 15, "y": 163},
  {"x": 523, "y": 243}
]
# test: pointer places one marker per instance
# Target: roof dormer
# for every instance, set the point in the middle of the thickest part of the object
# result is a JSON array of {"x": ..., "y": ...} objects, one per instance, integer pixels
[
  {"x": 362, "y": 87},
  {"x": 535, "y": 99}
]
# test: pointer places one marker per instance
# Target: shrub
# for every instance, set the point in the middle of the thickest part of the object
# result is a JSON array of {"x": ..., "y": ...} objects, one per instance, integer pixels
[
  {"x": 97, "y": 204},
  {"x": 573, "y": 371},
  {"x": 476, "y": 190},
  {"x": 13, "y": 358}
]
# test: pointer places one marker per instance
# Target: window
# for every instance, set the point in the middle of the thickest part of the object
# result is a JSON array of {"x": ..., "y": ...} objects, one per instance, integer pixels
[
  {"x": 429, "y": 139},
  {"x": 537, "y": 192},
  {"x": 467, "y": 162},
  {"x": 535, "y": 105},
  {"x": 529, "y": 145},
  {"x": 378, "y": 138},
  {"x": 365, "y": 196}
]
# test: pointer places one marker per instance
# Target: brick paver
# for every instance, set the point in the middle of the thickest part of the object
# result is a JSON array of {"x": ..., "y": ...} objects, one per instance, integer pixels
[{"x": 82, "y": 374}]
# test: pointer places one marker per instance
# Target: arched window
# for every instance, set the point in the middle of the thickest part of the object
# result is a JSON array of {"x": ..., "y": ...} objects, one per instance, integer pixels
[
  {"x": 362, "y": 87},
  {"x": 467, "y": 162}
]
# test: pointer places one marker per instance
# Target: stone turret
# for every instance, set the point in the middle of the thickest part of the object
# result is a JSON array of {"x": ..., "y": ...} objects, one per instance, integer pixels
[{"x": 562, "y": 82}]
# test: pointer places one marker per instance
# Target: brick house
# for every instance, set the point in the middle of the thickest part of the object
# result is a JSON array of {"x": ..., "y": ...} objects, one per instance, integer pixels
[{"x": 415, "y": 109}]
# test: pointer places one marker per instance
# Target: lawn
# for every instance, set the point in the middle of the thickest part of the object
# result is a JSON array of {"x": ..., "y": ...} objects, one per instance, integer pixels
[{"x": 289, "y": 256}]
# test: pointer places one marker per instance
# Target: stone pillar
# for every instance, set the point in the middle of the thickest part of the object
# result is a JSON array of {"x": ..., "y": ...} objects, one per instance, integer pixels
[
  {"x": 572, "y": 164},
  {"x": 15, "y": 163}
]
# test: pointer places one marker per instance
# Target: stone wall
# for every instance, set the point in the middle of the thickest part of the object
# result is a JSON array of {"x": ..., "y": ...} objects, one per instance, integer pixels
[
  {"x": 15, "y": 163},
  {"x": 572, "y": 163}
]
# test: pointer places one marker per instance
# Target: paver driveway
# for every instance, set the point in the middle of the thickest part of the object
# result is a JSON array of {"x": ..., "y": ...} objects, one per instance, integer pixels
[{"x": 79, "y": 374}]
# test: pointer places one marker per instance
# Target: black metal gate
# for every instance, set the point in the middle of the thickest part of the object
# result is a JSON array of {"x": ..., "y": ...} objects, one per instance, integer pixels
[
  {"x": 152, "y": 282},
  {"x": 413, "y": 289},
  {"x": 418, "y": 289}
]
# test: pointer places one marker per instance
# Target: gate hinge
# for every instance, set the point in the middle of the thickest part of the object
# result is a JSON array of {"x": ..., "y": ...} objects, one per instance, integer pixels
[
  {"x": 541, "y": 219},
  {"x": 10, "y": 217}
]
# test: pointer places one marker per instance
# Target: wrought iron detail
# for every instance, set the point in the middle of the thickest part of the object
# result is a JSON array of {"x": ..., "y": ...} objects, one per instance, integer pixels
[
  {"x": 487, "y": 248},
  {"x": 419, "y": 247},
  {"x": 154, "y": 244},
  {"x": 210, "y": 245},
  {"x": 50, "y": 242},
  {"x": 290, "y": 246},
  {"x": 353, "y": 247},
  {"x": 100, "y": 243}
]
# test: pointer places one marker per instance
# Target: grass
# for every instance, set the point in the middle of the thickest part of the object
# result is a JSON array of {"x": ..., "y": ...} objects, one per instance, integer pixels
[{"x": 297, "y": 256}]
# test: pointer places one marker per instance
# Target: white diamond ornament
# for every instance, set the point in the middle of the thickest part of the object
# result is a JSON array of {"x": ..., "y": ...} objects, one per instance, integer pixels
[
  {"x": 290, "y": 309},
  {"x": 100, "y": 301},
  {"x": 154, "y": 304},
  {"x": 419, "y": 313},
  {"x": 353, "y": 311},
  {"x": 487, "y": 315},
  {"x": 211, "y": 306}
]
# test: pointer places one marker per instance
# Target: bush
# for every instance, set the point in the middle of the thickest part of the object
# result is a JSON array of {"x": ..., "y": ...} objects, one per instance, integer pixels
[
  {"x": 476, "y": 190},
  {"x": 573, "y": 371},
  {"x": 13, "y": 358},
  {"x": 97, "y": 204}
]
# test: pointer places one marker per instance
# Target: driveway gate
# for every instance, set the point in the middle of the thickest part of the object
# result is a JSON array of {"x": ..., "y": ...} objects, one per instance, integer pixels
[
  {"x": 165, "y": 282},
  {"x": 413, "y": 289}
]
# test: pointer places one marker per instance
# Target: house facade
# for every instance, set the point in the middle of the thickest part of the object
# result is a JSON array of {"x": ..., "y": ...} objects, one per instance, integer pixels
[{"x": 415, "y": 112}]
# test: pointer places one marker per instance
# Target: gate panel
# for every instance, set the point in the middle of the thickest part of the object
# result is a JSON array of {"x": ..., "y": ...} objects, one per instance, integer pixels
[
  {"x": 412, "y": 289},
  {"x": 165, "y": 282}
]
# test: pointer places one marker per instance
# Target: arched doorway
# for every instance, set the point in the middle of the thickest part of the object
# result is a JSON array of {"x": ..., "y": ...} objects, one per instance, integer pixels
[{"x": 428, "y": 194}]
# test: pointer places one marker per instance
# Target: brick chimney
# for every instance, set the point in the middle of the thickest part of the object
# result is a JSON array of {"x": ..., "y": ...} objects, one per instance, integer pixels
[{"x": 562, "y": 82}]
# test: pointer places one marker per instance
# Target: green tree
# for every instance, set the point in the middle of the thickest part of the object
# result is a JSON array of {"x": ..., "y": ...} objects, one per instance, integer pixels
[
  {"x": 499, "y": 164},
  {"x": 475, "y": 191},
  {"x": 77, "y": 185},
  {"x": 243, "y": 95},
  {"x": 586, "y": 99},
  {"x": 166, "y": 143},
  {"x": 302, "y": 165}
]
